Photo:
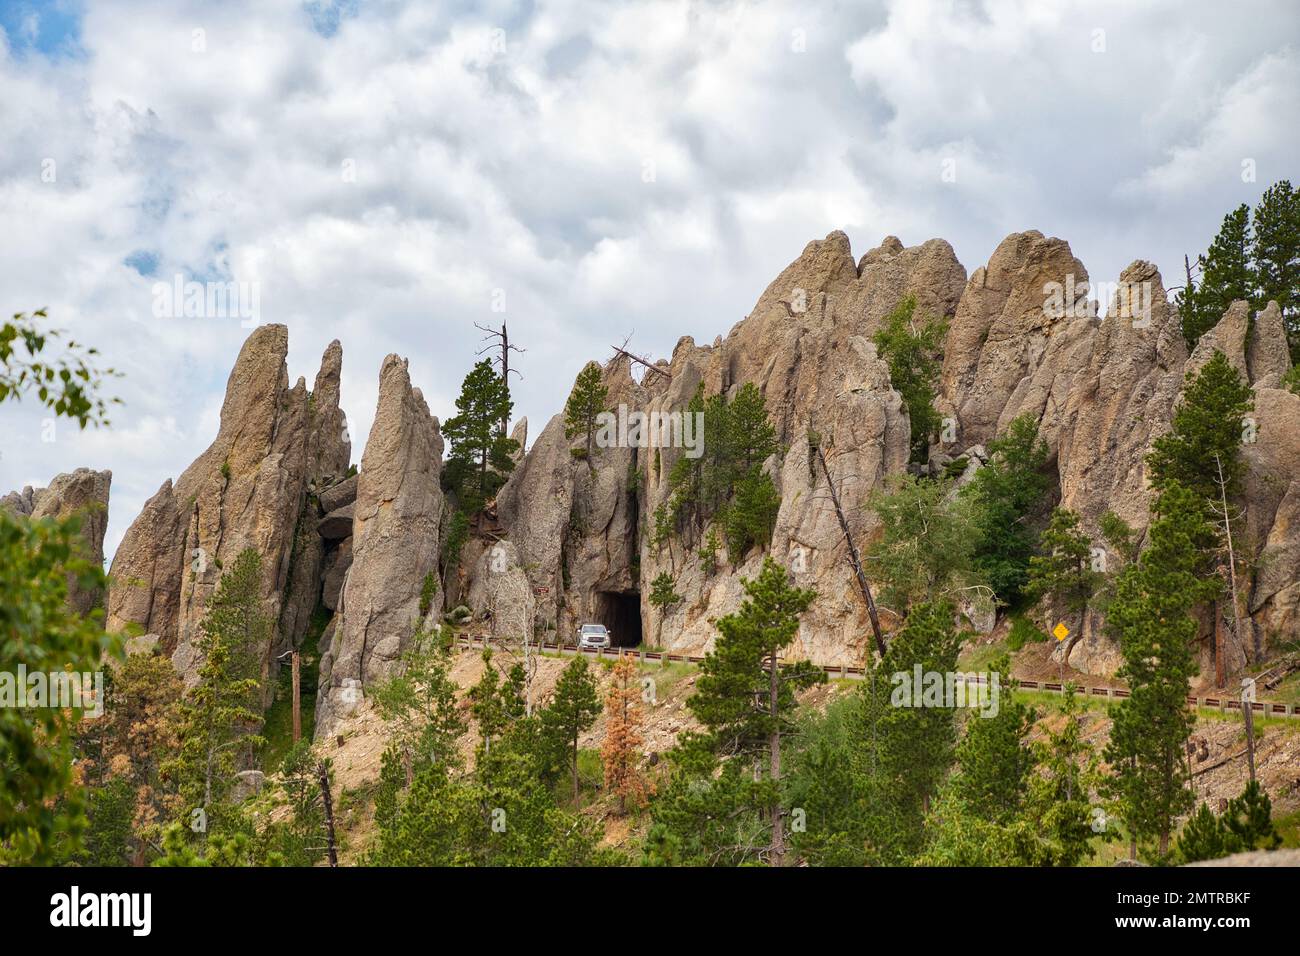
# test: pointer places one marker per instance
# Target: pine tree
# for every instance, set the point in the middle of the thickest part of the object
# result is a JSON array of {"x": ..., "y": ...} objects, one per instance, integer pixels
[
  {"x": 1150, "y": 616},
  {"x": 496, "y": 703},
  {"x": 1059, "y": 811},
  {"x": 1249, "y": 819},
  {"x": 1005, "y": 496},
  {"x": 745, "y": 698},
  {"x": 906, "y": 752},
  {"x": 1226, "y": 276},
  {"x": 221, "y": 714},
  {"x": 419, "y": 706},
  {"x": 299, "y": 839},
  {"x": 751, "y": 516},
  {"x": 1276, "y": 252},
  {"x": 481, "y": 452},
  {"x": 1209, "y": 421},
  {"x": 572, "y": 710},
  {"x": 662, "y": 595},
  {"x": 994, "y": 757},
  {"x": 750, "y": 438},
  {"x": 586, "y": 402},
  {"x": 1246, "y": 824},
  {"x": 913, "y": 350},
  {"x": 621, "y": 749},
  {"x": 1062, "y": 570},
  {"x": 139, "y": 731},
  {"x": 1203, "y": 837}
]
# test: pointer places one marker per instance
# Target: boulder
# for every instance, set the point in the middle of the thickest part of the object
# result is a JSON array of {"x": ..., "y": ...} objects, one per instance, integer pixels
[
  {"x": 338, "y": 495},
  {"x": 337, "y": 525}
]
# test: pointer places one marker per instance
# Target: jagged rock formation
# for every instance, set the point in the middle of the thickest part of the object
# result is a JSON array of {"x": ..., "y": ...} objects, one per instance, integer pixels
[
  {"x": 250, "y": 489},
  {"x": 1025, "y": 339},
  {"x": 567, "y": 539},
  {"x": 83, "y": 492},
  {"x": 395, "y": 546}
]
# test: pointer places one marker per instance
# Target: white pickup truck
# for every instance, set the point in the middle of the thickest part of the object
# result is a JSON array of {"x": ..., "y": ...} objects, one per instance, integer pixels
[{"x": 593, "y": 635}]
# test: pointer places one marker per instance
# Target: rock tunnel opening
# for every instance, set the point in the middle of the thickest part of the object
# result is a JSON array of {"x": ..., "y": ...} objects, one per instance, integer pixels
[{"x": 621, "y": 613}]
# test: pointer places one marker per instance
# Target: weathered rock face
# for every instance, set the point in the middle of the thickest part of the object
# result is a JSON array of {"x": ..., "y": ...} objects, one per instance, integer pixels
[
  {"x": 84, "y": 493},
  {"x": 395, "y": 544},
  {"x": 806, "y": 346},
  {"x": 535, "y": 505},
  {"x": 1013, "y": 349},
  {"x": 501, "y": 594},
  {"x": 1120, "y": 400},
  {"x": 248, "y": 490}
]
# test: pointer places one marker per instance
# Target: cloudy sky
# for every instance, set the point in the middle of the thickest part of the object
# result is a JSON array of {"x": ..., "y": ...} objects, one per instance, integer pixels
[{"x": 385, "y": 172}]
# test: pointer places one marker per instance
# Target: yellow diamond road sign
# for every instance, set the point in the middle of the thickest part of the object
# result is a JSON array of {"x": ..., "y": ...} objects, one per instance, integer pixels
[{"x": 1061, "y": 632}]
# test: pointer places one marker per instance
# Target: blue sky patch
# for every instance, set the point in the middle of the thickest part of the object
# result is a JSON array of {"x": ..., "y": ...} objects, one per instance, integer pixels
[{"x": 49, "y": 27}]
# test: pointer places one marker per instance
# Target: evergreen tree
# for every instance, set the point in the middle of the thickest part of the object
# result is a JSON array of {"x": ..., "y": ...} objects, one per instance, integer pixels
[
  {"x": 220, "y": 715},
  {"x": 1276, "y": 252},
  {"x": 586, "y": 402},
  {"x": 496, "y": 703},
  {"x": 1059, "y": 811},
  {"x": 1226, "y": 276},
  {"x": 727, "y": 480},
  {"x": 724, "y": 802},
  {"x": 906, "y": 750},
  {"x": 1208, "y": 421},
  {"x": 1203, "y": 837},
  {"x": 300, "y": 839},
  {"x": 1062, "y": 570},
  {"x": 1246, "y": 824},
  {"x": 750, "y": 438},
  {"x": 751, "y": 516},
  {"x": 481, "y": 452},
  {"x": 621, "y": 749},
  {"x": 419, "y": 706},
  {"x": 827, "y": 784},
  {"x": 994, "y": 758},
  {"x": 913, "y": 351},
  {"x": 109, "y": 836},
  {"x": 572, "y": 710},
  {"x": 662, "y": 595},
  {"x": 138, "y": 731},
  {"x": 1151, "y": 618},
  {"x": 1249, "y": 819},
  {"x": 1006, "y": 495}
]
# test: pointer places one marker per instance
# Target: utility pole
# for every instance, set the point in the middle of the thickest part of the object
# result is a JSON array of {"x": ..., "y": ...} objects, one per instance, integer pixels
[
  {"x": 323, "y": 776},
  {"x": 502, "y": 359},
  {"x": 1248, "y": 710}
]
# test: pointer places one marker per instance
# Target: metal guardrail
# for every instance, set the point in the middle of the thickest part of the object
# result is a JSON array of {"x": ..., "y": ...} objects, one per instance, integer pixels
[{"x": 1222, "y": 704}]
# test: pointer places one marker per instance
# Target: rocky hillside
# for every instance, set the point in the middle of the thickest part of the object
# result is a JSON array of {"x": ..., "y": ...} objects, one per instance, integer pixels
[{"x": 567, "y": 541}]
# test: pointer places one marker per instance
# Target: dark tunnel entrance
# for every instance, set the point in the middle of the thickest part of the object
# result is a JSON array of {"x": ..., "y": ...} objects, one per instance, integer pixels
[{"x": 621, "y": 613}]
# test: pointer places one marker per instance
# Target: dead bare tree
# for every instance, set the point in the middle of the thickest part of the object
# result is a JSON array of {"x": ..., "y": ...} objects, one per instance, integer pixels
[
  {"x": 855, "y": 557},
  {"x": 644, "y": 362},
  {"x": 502, "y": 358},
  {"x": 1225, "y": 519}
]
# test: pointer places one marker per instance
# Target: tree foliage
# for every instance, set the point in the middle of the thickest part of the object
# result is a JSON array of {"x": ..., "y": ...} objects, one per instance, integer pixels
[
  {"x": 913, "y": 351},
  {"x": 480, "y": 458},
  {"x": 586, "y": 402}
]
